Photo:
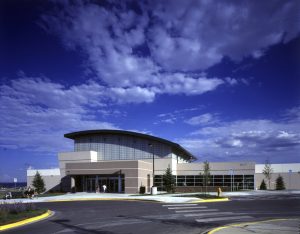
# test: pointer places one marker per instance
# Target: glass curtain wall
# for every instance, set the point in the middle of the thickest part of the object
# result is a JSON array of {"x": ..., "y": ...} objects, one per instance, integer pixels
[
  {"x": 114, "y": 147},
  {"x": 235, "y": 182},
  {"x": 92, "y": 183}
]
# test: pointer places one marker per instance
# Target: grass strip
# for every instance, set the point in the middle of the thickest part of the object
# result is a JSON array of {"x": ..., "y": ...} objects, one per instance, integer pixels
[{"x": 12, "y": 218}]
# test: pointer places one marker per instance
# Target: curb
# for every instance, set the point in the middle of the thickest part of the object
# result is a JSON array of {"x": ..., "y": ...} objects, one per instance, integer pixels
[
  {"x": 26, "y": 221},
  {"x": 100, "y": 199},
  {"x": 211, "y": 200},
  {"x": 215, "y": 230}
]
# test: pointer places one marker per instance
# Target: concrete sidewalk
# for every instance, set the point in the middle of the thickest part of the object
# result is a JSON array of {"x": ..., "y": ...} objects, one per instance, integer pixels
[
  {"x": 276, "y": 226},
  {"x": 260, "y": 192},
  {"x": 166, "y": 198},
  {"x": 81, "y": 196}
]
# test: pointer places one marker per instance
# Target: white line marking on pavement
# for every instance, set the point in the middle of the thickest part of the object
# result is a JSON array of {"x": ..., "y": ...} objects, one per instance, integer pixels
[
  {"x": 194, "y": 210},
  {"x": 182, "y": 205},
  {"x": 222, "y": 218},
  {"x": 211, "y": 214},
  {"x": 182, "y": 208},
  {"x": 169, "y": 216}
]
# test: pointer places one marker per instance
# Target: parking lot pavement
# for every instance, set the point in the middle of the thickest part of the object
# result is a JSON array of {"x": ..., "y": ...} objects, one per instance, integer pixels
[
  {"x": 276, "y": 226},
  {"x": 113, "y": 216},
  {"x": 203, "y": 214}
]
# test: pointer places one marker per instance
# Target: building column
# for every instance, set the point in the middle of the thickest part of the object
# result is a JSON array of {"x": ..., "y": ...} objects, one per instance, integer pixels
[
  {"x": 119, "y": 183},
  {"x": 73, "y": 182}
]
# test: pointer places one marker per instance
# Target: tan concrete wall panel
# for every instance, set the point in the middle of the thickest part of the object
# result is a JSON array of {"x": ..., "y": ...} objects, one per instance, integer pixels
[
  {"x": 51, "y": 182},
  {"x": 291, "y": 180}
]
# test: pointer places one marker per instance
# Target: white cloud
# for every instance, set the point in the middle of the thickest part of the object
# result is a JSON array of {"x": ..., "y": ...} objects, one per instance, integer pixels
[
  {"x": 131, "y": 95},
  {"x": 231, "y": 81},
  {"x": 293, "y": 114},
  {"x": 179, "y": 83},
  {"x": 35, "y": 113},
  {"x": 157, "y": 48},
  {"x": 247, "y": 140},
  {"x": 197, "y": 35},
  {"x": 204, "y": 119},
  {"x": 176, "y": 115}
]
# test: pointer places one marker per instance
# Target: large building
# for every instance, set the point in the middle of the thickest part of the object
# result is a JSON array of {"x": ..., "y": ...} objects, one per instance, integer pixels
[{"x": 124, "y": 161}]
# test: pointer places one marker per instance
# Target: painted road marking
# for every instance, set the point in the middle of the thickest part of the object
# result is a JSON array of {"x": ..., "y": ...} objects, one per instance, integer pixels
[
  {"x": 206, "y": 220},
  {"x": 169, "y": 216},
  {"x": 194, "y": 210},
  {"x": 182, "y": 208},
  {"x": 26, "y": 221},
  {"x": 211, "y": 214},
  {"x": 182, "y": 205},
  {"x": 211, "y": 200}
]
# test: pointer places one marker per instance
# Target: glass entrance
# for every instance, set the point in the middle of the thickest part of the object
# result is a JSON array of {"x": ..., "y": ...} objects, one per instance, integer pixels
[
  {"x": 111, "y": 184},
  {"x": 90, "y": 184},
  {"x": 114, "y": 184}
]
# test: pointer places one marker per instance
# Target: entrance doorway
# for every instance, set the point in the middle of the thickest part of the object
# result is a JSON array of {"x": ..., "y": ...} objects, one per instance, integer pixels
[
  {"x": 114, "y": 184},
  {"x": 90, "y": 184}
]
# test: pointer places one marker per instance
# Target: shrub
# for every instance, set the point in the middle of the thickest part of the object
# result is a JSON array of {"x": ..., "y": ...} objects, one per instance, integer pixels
[
  {"x": 15, "y": 208},
  {"x": 280, "y": 183},
  {"x": 169, "y": 181},
  {"x": 38, "y": 183},
  {"x": 263, "y": 185}
]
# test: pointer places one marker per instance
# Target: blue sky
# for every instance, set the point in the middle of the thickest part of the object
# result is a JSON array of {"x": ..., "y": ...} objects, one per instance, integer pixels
[{"x": 221, "y": 78}]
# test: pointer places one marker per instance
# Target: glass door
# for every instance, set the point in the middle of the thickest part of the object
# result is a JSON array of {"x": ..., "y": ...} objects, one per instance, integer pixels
[
  {"x": 90, "y": 184},
  {"x": 112, "y": 185},
  {"x": 102, "y": 181}
]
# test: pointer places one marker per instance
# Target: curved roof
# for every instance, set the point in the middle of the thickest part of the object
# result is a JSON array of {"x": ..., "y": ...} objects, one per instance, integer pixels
[{"x": 175, "y": 147}]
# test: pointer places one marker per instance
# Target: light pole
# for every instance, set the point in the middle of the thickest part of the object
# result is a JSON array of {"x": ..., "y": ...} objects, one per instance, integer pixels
[
  {"x": 153, "y": 191},
  {"x": 290, "y": 173},
  {"x": 231, "y": 179}
]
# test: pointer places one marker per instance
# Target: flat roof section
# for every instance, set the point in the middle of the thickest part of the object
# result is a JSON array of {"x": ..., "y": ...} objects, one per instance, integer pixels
[
  {"x": 175, "y": 147},
  {"x": 44, "y": 172},
  {"x": 279, "y": 168}
]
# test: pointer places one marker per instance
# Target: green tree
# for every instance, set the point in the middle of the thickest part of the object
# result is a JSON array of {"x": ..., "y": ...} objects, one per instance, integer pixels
[
  {"x": 38, "y": 183},
  {"x": 280, "y": 183},
  {"x": 267, "y": 171},
  {"x": 263, "y": 185},
  {"x": 206, "y": 175},
  {"x": 169, "y": 181}
]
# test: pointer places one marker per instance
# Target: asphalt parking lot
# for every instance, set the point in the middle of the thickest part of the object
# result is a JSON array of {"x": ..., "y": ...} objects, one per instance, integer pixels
[{"x": 108, "y": 217}]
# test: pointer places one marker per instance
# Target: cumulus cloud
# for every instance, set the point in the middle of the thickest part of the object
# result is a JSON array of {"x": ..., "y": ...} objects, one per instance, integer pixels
[
  {"x": 292, "y": 115},
  {"x": 131, "y": 95},
  {"x": 247, "y": 140},
  {"x": 192, "y": 35},
  {"x": 231, "y": 81},
  {"x": 204, "y": 119},
  {"x": 158, "y": 47},
  {"x": 176, "y": 115},
  {"x": 179, "y": 83},
  {"x": 35, "y": 112}
]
